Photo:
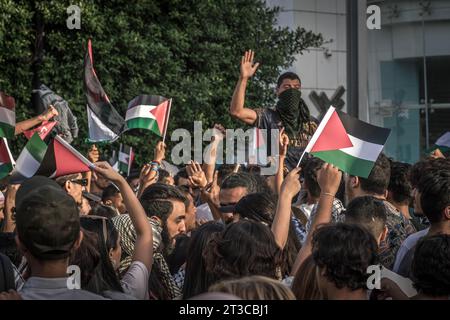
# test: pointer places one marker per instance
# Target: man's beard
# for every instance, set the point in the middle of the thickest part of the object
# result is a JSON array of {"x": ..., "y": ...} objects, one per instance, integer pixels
[{"x": 167, "y": 245}]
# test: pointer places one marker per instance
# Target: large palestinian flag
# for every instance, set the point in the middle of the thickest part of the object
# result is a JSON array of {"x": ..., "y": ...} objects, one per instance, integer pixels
[
  {"x": 61, "y": 159},
  {"x": 149, "y": 112},
  {"x": 104, "y": 122},
  {"x": 7, "y": 116},
  {"x": 350, "y": 144}
]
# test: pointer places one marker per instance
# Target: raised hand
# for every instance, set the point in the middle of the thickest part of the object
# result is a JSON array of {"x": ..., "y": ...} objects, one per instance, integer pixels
[
  {"x": 147, "y": 177},
  {"x": 105, "y": 170},
  {"x": 49, "y": 113},
  {"x": 218, "y": 132},
  {"x": 284, "y": 143},
  {"x": 291, "y": 184},
  {"x": 248, "y": 68},
  {"x": 160, "y": 151},
  {"x": 329, "y": 179},
  {"x": 196, "y": 175}
]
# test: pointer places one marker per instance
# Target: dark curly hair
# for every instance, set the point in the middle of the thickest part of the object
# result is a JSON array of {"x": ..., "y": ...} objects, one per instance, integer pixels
[
  {"x": 156, "y": 200},
  {"x": 378, "y": 180},
  {"x": 345, "y": 251},
  {"x": 431, "y": 266},
  {"x": 434, "y": 189},
  {"x": 261, "y": 207},
  {"x": 310, "y": 176},
  {"x": 399, "y": 183},
  {"x": 244, "y": 248}
]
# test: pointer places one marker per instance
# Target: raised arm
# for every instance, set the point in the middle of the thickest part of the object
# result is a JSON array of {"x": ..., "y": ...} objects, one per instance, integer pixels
[
  {"x": 284, "y": 143},
  {"x": 237, "y": 110},
  {"x": 280, "y": 226},
  {"x": 328, "y": 178},
  {"x": 209, "y": 165},
  {"x": 30, "y": 123},
  {"x": 143, "y": 249}
]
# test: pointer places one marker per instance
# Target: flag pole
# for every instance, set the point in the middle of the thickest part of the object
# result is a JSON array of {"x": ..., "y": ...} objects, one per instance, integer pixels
[
  {"x": 130, "y": 159},
  {"x": 298, "y": 164},
  {"x": 166, "y": 121}
]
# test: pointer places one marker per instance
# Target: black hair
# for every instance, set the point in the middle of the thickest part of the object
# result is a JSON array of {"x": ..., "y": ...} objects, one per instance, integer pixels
[
  {"x": 109, "y": 192},
  {"x": 378, "y": 180},
  {"x": 182, "y": 173},
  {"x": 434, "y": 189},
  {"x": 430, "y": 267},
  {"x": 98, "y": 274},
  {"x": 344, "y": 251},
  {"x": 156, "y": 200},
  {"x": 179, "y": 253},
  {"x": 287, "y": 75},
  {"x": 197, "y": 280},
  {"x": 261, "y": 207},
  {"x": 367, "y": 212},
  {"x": 224, "y": 171},
  {"x": 9, "y": 248},
  {"x": 240, "y": 179},
  {"x": 163, "y": 174},
  {"x": 310, "y": 176},
  {"x": 103, "y": 211},
  {"x": 399, "y": 184},
  {"x": 417, "y": 169},
  {"x": 244, "y": 248}
]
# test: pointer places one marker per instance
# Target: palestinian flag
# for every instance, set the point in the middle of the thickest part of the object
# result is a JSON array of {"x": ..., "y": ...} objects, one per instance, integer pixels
[
  {"x": 61, "y": 159},
  {"x": 257, "y": 153},
  {"x": 7, "y": 116},
  {"x": 126, "y": 157},
  {"x": 6, "y": 159},
  {"x": 149, "y": 112},
  {"x": 43, "y": 130},
  {"x": 29, "y": 159},
  {"x": 350, "y": 144},
  {"x": 104, "y": 122}
]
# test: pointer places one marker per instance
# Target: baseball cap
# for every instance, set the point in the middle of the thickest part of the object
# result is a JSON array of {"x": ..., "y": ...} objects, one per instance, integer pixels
[{"x": 47, "y": 218}]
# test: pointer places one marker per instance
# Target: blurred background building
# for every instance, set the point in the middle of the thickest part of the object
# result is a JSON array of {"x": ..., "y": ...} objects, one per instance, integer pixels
[{"x": 396, "y": 77}]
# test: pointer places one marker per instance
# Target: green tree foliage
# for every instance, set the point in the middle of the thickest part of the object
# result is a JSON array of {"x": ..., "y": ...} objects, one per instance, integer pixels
[{"x": 185, "y": 49}]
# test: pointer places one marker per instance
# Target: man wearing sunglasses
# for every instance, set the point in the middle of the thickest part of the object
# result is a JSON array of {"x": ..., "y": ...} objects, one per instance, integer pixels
[{"x": 74, "y": 185}]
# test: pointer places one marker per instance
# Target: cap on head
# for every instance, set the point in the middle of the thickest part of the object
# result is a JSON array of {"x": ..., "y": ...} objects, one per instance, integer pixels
[{"x": 47, "y": 219}]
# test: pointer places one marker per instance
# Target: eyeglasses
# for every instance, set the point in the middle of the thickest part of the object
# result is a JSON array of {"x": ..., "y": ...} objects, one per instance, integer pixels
[
  {"x": 105, "y": 232},
  {"x": 82, "y": 182}
]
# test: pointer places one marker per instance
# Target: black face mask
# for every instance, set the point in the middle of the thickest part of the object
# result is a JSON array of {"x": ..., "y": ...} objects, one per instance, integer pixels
[{"x": 292, "y": 110}]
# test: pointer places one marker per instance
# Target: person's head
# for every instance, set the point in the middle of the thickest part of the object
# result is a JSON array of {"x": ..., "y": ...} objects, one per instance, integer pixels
[
  {"x": 369, "y": 213},
  {"x": 84, "y": 207},
  {"x": 168, "y": 205},
  {"x": 191, "y": 209},
  {"x": 233, "y": 188},
  {"x": 99, "y": 182},
  {"x": 288, "y": 80},
  {"x": 305, "y": 285},
  {"x": 99, "y": 255},
  {"x": 400, "y": 188},
  {"x": 430, "y": 267},
  {"x": 343, "y": 252},
  {"x": 47, "y": 222},
  {"x": 254, "y": 288},
  {"x": 375, "y": 184},
  {"x": 102, "y": 210},
  {"x": 310, "y": 177},
  {"x": 258, "y": 207},
  {"x": 74, "y": 185},
  {"x": 244, "y": 248},
  {"x": 165, "y": 177},
  {"x": 111, "y": 196},
  {"x": 133, "y": 179},
  {"x": 224, "y": 171},
  {"x": 414, "y": 176},
  {"x": 182, "y": 178},
  {"x": 433, "y": 191}
]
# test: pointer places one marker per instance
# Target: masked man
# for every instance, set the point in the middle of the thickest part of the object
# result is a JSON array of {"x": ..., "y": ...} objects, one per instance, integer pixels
[{"x": 290, "y": 112}]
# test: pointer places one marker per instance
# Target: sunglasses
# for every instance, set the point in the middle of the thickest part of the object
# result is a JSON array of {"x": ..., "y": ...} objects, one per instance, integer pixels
[{"x": 82, "y": 182}]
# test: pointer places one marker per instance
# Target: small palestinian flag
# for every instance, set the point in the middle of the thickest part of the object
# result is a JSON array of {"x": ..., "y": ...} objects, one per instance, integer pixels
[
  {"x": 126, "y": 157},
  {"x": 61, "y": 159},
  {"x": 350, "y": 144},
  {"x": 29, "y": 159},
  {"x": 104, "y": 122},
  {"x": 149, "y": 112},
  {"x": 7, "y": 116},
  {"x": 43, "y": 130},
  {"x": 6, "y": 159}
]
